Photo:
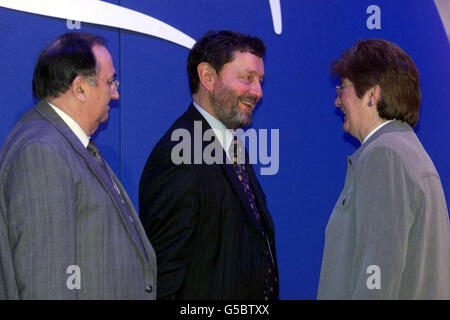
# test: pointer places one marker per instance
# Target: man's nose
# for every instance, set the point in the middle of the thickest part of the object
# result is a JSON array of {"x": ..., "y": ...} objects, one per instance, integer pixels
[
  {"x": 256, "y": 89},
  {"x": 115, "y": 94}
]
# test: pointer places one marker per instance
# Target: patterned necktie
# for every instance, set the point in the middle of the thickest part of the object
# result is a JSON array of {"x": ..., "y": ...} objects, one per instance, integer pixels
[
  {"x": 241, "y": 172},
  {"x": 93, "y": 149}
]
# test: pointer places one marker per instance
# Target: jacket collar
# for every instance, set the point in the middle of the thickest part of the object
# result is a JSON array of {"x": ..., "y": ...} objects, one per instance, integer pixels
[
  {"x": 394, "y": 126},
  {"x": 47, "y": 112}
]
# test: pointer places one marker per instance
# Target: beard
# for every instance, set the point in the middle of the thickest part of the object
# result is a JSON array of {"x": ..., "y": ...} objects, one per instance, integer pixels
[{"x": 224, "y": 101}]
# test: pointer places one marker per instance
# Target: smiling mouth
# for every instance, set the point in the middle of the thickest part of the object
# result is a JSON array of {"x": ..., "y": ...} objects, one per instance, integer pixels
[{"x": 249, "y": 104}]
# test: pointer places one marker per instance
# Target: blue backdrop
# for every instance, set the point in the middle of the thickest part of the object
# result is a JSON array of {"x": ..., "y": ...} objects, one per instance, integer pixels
[{"x": 298, "y": 97}]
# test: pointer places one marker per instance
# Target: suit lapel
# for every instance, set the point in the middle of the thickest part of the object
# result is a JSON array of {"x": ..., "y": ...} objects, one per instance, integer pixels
[
  {"x": 192, "y": 115},
  {"x": 50, "y": 115},
  {"x": 139, "y": 229}
]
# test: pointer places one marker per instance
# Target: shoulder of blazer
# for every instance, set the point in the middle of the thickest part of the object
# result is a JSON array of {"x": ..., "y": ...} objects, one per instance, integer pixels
[
  {"x": 55, "y": 121},
  {"x": 68, "y": 139},
  {"x": 34, "y": 128},
  {"x": 161, "y": 152}
]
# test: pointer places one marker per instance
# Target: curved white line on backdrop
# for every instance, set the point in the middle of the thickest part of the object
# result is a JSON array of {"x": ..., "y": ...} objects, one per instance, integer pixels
[
  {"x": 102, "y": 13},
  {"x": 275, "y": 8},
  {"x": 443, "y": 7}
]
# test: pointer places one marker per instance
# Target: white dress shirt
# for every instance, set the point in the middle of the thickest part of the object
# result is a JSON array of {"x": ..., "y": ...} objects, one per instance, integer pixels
[
  {"x": 224, "y": 135},
  {"x": 72, "y": 125}
]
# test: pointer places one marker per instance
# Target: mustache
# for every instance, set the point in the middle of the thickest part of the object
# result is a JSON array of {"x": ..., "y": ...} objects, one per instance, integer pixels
[{"x": 250, "y": 98}]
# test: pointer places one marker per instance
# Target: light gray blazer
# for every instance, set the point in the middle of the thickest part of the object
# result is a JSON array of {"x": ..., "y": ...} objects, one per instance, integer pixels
[
  {"x": 57, "y": 211},
  {"x": 388, "y": 236}
]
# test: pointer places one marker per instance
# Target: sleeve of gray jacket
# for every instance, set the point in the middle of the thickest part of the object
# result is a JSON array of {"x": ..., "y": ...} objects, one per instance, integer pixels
[
  {"x": 385, "y": 206},
  {"x": 40, "y": 219}
]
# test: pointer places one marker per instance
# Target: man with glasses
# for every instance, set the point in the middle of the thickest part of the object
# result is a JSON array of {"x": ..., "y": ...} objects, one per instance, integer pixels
[{"x": 67, "y": 227}]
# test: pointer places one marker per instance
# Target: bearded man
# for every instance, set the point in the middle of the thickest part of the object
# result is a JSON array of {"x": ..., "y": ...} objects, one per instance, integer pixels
[{"x": 208, "y": 222}]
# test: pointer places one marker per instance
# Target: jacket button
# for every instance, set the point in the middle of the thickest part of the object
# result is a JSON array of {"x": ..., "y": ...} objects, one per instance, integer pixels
[{"x": 149, "y": 289}]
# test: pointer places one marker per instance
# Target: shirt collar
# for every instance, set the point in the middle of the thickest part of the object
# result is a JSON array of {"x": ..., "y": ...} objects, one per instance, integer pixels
[
  {"x": 376, "y": 129},
  {"x": 224, "y": 135},
  {"x": 76, "y": 129}
]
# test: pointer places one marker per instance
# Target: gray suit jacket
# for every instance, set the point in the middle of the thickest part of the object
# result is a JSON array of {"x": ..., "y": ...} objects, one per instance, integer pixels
[
  {"x": 389, "y": 234},
  {"x": 61, "y": 232}
]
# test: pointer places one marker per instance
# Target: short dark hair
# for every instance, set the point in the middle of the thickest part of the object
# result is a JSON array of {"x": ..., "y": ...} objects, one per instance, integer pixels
[
  {"x": 217, "y": 49},
  {"x": 380, "y": 62},
  {"x": 69, "y": 56}
]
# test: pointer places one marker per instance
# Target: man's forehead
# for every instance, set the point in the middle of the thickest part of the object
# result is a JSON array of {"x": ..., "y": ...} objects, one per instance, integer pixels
[
  {"x": 104, "y": 61},
  {"x": 101, "y": 52},
  {"x": 246, "y": 61},
  {"x": 244, "y": 55}
]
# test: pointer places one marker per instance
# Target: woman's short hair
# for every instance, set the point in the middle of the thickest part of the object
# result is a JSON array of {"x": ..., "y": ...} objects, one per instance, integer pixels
[{"x": 383, "y": 63}]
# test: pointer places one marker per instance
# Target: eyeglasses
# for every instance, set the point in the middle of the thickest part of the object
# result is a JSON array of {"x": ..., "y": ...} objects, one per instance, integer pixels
[
  {"x": 339, "y": 89},
  {"x": 112, "y": 84}
]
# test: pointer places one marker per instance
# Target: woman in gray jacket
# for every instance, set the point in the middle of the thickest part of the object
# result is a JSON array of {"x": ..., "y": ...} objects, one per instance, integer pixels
[{"x": 388, "y": 236}]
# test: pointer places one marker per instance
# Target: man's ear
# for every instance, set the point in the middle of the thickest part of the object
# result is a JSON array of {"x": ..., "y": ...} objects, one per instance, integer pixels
[
  {"x": 78, "y": 88},
  {"x": 207, "y": 75}
]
